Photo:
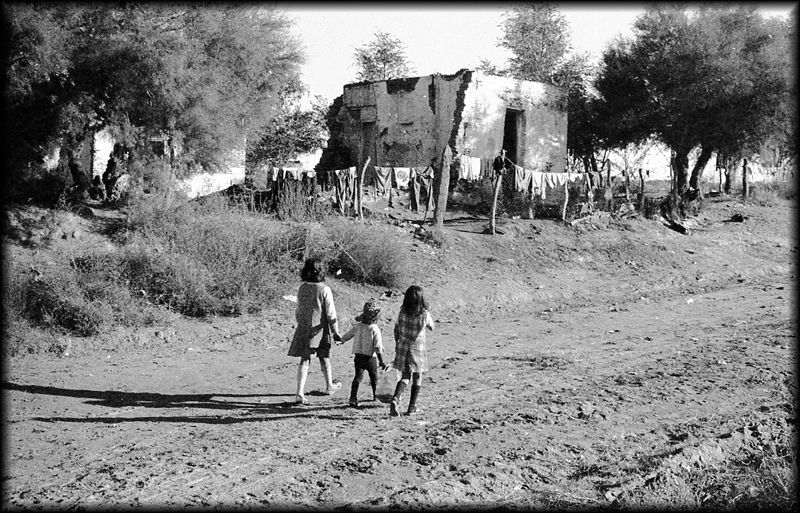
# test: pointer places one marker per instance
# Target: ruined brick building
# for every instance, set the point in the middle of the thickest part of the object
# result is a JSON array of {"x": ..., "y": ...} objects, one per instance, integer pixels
[{"x": 408, "y": 121}]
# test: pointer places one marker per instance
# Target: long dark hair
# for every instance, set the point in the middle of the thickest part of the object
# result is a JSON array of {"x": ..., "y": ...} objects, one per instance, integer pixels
[
  {"x": 313, "y": 271},
  {"x": 414, "y": 301}
]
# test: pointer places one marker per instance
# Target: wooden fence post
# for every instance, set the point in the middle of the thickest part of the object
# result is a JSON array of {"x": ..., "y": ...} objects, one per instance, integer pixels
[
  {"x": 444, "y": 186},
  {"x": 566, "y": 200},
  {"x": 361, "y": 187},
  {"x": 497, "y": 183}
]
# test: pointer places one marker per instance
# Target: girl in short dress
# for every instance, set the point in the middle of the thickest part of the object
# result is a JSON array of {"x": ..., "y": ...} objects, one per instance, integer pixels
[
  {"x": 316, "y": 325},
  {"x": 410, "y": 355}
]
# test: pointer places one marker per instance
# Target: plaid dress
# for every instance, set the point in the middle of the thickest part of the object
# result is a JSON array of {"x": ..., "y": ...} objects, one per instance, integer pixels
[{"x": 410, "y": 351}]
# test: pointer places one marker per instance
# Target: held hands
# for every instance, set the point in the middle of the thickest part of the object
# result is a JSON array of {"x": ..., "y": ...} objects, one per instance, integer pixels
[{"x": 338, "y": 339}]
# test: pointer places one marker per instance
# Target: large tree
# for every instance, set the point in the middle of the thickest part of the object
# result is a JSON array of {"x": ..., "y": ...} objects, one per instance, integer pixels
[
  {"x": 208, "y": 74},
  {"x": 709, "y": 79},
  {"x": 541, "y": 50},
  {"x": 538, "y": 37},
  {"x": 291, "y": 132},
  {"x": 382, "y": 58}
]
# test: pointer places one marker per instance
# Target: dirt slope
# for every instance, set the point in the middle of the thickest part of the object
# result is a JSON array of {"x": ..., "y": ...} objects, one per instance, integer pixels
[{"x": 570, "y": 367}]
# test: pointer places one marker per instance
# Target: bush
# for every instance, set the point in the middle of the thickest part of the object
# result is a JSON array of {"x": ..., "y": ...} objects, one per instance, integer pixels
[
  {"x": 173, "y": 280},
  {"x": 366, "y": 253},
  {"x": 767, "y": 194},
  {"x": 58, "y": 302},
  {"x": 296, "y": 203},
  {"x": 435, "y": 237},
  {"x": 243, "y": 258}
]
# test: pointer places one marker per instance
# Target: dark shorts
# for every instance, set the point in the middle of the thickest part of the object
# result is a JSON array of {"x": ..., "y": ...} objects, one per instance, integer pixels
[{"x": 323, "y": 351}]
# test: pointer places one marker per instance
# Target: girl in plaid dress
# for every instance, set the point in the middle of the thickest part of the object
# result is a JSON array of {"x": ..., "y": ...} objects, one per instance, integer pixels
[{"x": 410, "y": 354}]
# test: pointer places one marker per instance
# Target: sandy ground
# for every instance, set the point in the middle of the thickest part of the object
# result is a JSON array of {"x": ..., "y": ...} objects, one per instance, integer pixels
[{"x": 570, "y": 367}]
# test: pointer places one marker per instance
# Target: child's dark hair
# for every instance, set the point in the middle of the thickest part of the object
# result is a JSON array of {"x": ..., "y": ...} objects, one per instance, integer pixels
[
  {"x": 313, "y": 271},
  {"x": 414, "y": 302}
]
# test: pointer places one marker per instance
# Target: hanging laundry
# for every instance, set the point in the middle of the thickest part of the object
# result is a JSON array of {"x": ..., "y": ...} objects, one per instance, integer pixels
[
  {"x": 522, "y": 178},
  {"x": 537, "y": 183},
  {"x": 469, "y": 168},
  {"x": 343, "y": 182},
  {"x": 292, "y": 172},
  {"x": 463, "y": 167},
  {"x": 382, "y": 178},
  {"x": 421, "y": 187},
  {"x": 487, "y": 171},
  {"x": 401, "y": 176}
]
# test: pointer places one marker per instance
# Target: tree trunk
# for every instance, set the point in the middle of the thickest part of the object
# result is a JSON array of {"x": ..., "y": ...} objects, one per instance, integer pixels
[
  {"x": 641, "y": 191},
  {"x": 680, "y": 169},
  {"x": 745, "y": 185},
  {"x": 730, "y": 174},
  {"x": 444, "y": 186},
  {"x": 699, "y": 166}
]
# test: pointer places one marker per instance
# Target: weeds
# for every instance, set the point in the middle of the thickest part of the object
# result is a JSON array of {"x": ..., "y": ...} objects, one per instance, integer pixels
[
  {"x": 366, "y": 253},
  {"x": 200, "y": 258},
  {"x": 435, "y": 237}
]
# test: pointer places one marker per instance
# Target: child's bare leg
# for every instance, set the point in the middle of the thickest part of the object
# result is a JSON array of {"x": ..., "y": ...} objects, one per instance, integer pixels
[
  {"x": 325, "y": 365},
  {"x": 416, "y": 382},
  {"x": 302, "y": 375},
  {"x": 398, "y": 393}
]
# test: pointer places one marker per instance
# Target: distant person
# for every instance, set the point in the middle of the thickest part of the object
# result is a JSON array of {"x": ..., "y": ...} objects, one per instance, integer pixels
[
  {"x": 114, "y": 169},
  {"x": 411, "y": 354},
  {"x": 316, "y": 325},
  {"x": 367, "y": 349},
  {"x": 501, "y": 163},
  {"x": 97, "y": 192}
]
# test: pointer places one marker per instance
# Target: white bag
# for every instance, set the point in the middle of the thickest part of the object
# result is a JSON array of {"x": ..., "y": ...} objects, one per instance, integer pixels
[{"x": 387, "y": 382}]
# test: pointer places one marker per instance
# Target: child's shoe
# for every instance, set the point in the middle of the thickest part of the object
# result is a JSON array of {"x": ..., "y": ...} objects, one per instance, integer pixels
[
  {"x": 393, "y": 409},
  {"x": 353, "y": 403}
]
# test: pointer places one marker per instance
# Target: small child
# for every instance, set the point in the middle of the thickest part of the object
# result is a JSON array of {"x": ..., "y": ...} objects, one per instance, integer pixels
[
  {"x": 410, "y": 355},
  {"x": 367, "y": 348}
]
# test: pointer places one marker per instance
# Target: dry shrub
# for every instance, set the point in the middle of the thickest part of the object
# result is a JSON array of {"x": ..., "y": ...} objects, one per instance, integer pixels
[
  {"x": 57, "y": 301},
  {"x": 769, "y": 194},
  {"x": 297, "y": 203},
  {"x": 171, "y": 279},
  {"x": 435, "y": 237},
  {"x": 366, "y": 253}
]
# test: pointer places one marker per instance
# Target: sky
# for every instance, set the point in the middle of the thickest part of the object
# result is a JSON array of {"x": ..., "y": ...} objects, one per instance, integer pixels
[{"x": 440, "y": 39}]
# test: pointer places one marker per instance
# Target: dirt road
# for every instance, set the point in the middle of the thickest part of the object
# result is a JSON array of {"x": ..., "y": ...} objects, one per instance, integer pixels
[{"x": 599, "y": 392}]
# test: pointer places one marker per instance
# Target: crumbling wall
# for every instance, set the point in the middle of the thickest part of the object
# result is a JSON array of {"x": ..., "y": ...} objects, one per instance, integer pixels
[
  {"x": 408, "y": 122},
  {"x": 414, "y": 118}
]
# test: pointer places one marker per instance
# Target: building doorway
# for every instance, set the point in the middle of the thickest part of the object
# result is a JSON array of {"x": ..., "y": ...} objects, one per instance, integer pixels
[{"x": 513, "y": 133}]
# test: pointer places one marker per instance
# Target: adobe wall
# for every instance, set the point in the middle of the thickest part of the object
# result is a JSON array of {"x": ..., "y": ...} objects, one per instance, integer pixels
[
  {"x": 545, "y": 121},
  {"x": 414, "y": 118}
]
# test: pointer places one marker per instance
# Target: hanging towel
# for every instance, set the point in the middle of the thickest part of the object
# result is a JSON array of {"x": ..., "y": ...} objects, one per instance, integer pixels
[
  {"x": 343, "y": 181},
  {"x": 469, "y": 168},
  {"x": 464, "y": 164},
  {"x": 537, "y": 183},
  {"x": 401, "y": 176},
  {"x": 382, "y": 177},
  {"x": 522, "y": 178},
  {"x": 422, "y": 187}
]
